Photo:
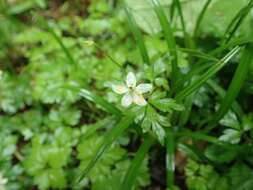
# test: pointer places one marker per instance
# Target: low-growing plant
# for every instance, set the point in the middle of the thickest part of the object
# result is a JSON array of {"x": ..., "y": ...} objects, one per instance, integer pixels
[{"x": 149, "y": 94}]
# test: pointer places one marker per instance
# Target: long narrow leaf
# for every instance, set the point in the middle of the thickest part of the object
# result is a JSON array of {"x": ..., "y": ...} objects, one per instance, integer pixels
[
  {"x": 200, "y": 17},
  {"x": 137, "y": 35},
  {"x": 208, "y": 74},
  {"x": 198, "y": 136},
  {"x": 236, "y": 83},
  {"x": 62, "y": 45},
  {"x": 188, "y": 41},
  {"x": 109, "y": 121},
  {"x": 107, "y": 106},
  {"x": 132, "y": 172},
  {"x": 232, "y": 43},
  {"x": 221, "y": 92},
  {"x": 168, "y": 34},
  {"x": 237, "y": 21},
  {"x": 196, "y": 70},
  {"x": 199, "y": 54},
  {"x": 109, "y": 138}
]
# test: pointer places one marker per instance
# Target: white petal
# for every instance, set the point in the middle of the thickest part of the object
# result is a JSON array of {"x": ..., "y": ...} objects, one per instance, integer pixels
[
  {"x": 131, "y": 80},
  {"x": 144, "y": 88},
  {"x": 139, "y": 100},
  {"x": 119, "y": 89},
  {"x": 127, "y": 100}
]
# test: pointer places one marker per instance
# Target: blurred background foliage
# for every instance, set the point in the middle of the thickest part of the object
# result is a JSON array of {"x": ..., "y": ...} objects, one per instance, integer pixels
[{"x": 48, "y": 133}]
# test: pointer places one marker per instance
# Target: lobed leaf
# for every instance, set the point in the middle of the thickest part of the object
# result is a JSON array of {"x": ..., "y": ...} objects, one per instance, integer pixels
[{"x": 109, "y": 138}]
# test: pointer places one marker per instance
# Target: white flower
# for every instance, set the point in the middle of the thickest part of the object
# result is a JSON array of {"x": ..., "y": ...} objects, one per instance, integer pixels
[
  {"x": 132, "y": 93},
  {"x": 3, "y": 181}
]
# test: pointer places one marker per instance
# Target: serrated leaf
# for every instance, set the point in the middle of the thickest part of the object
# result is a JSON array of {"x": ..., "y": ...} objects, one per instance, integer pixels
[
  {"x": 231, "y": 136},
  {"x": 159, "y": 131},
  {"x": 167, "y": 105}
]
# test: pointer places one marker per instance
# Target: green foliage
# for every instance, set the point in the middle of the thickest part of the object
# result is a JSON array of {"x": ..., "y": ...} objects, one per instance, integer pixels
[
  {"x": 111, "y": 168},
  {"x": 62, "y": 126},
  {"x": 204, "y": 177}
]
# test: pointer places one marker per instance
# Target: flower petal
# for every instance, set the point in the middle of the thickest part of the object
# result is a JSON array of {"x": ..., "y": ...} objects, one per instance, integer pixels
[
  {"x": 119, "y": 89},
  {"x": 131, "y": 80},
  {"x": 144, "y": 88},
  {"x": 127, "y": 100},
  {"x": 139, "y": 100}
]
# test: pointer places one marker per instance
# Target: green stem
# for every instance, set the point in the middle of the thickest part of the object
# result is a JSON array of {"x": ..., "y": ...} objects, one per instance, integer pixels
[{"x": 170, "y": 160}]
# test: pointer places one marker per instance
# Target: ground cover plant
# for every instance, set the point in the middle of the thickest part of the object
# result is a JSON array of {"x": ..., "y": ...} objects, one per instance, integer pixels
[{"x": 126, "y": 95}]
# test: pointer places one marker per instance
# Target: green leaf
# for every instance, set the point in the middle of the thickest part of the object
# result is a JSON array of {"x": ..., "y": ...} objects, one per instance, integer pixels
[
  {"x": 167, "y": 105},
  {"x": 204, "y": 177},
  {"x": 232, "y": 136},
  {"x": 138, "y": 36},
  {"x": 221, "y": 92},
  {"x": 109, "y": 138},
  {"x": 220, "y": 154},
  {"x": 230, "y": 120},
  {"x": 159, "y": 131},
  {"x": 54, "y": 178},
  {"x": 200, "y": 17},
  {"x": 198, "y": 136},
  {"x": 60, "y": 42},
  {"x": 114, "y": 181},
  {"x": 103, "y": 168},
  {"x": 240, "y": 177},
  {"x": 133, "y": 170},
  {"x": 208, "y": 74},
  {"x": 236, "y": 84},
  {"x": 218, "y": 17},
  {"x": 155, "y": 122},
  {"x": 168, "y": 34},
  {"x": 237, "y": 21},
  {"x": 110, "y": 108}
]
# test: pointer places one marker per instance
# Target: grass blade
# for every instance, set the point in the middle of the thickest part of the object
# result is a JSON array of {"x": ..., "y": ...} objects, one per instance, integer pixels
[
  {"x": 137, "y": 35},
  {"x": 109, "y": 138},
  {"x": 170, "y": 158},
  {"x": 236, "y": 84},
  {"x": 107, "y": 106},
  {"x": 236, "y": 22},
  {"x": 199, "y": 54},
  {"x": 199, "y": 136},
  {"x": 194, "y": 71},
  {"x": 168, "y": 34},
  {"x": 60, "y": 42},
  {"x": 232, "y": 43},
  {"x": 178, "y": 6},
  {"x": 200, "y": 18},
  {"x": 208, "y": 74},
  {"x": 132, "y": 172},
  {"x": 108, "y": 121},
  {"x": 221, "y": 92},
  {"x": 188, "y": 41}
]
